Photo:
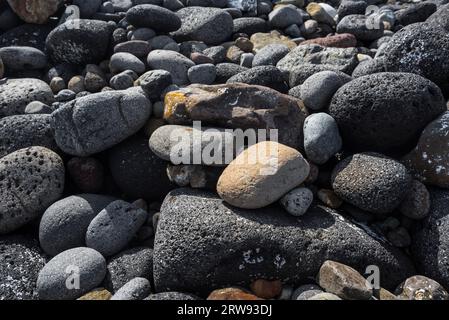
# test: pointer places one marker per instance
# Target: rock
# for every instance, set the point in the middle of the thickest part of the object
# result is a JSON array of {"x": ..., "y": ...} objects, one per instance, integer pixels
[
  {"x": 211, "y": 25},
  {"x": 122, "y": 81},
  {"x": 203, "y": 74},
  {"x": 267, "y": 76},
  {"x": 86, "y": 173},
  {"x": 321, "y": 137},
  {"x": 329, "y": 198},
  {"x": 318, "y": 90},
  {"x": 154, "y": 82},
  {"x": 416, "y": 13},
  {"x": 250, "y": 25},
  {"x": 348, "y": 7},
  {"x": 97, "y": 294},
  {"x": 343, "y": 281},
  {"x": 71, "y": 274},
  {"x": 22, "y": 58},
  {"x": 399, "y": 237},
  {"x": 233, "y": 54},
  {"x": 64, "y": 224},
  {"x": 439, "y": 18},
  {"x": 123, "y": 61},
  {"x": 297, "y": 201},
  {"x": 371, "y": 182},
  {"x": 284, "y": 16},
  {"x": 2, "y": 68},
  {"x": 195, "y": 176},
  {"x": 22, "y": 260},
  {"x": 421, "y": 288},
  {"x": 35, "y": 11},
  {"x": 114, "y": 227},
  {"x": 344, "y": 40},
  {"x": 358, "y": 25},
  {"x": 416, "y": 204},
  {"x": 261, "y": 174},
  {"x": 246, "y": 60},
  {"x": 343, "y": 59},
  {"x": 266, "y": 289},
  {"x": 171, "y": 296},
  {"x": 422, "y": 49},
  {"x": 76, "y": 84},
  {"x": 32, "y": 179},
  {"x": 88, "y": 7},
  {"x": 82, "y": 127},
  {"x": 16, "y": 94},
  {"x": 427, "y": 161},
  {"x": 127, "y": 265},
  {"x": 65, "y": 95},
  {"x": 137, "y": 171},
  {"x": 260, "y": 40},
  {"x": 216, "y": 53},
  {"x": 135, "y": 289},
  {"x": 57, "y": 84},
  {"x": 226, "y": 106},
  {"x": 173, "y": 62},
  {"x": 385, "y": 111},
  {"x": 154, "y": 17},
  {"x": 28, "y": 35},
  {"x": 231, "y": 294},
  {"x": 252, "y": 245},
  {"x": 22, "y": 131},
  {"x": 385, "y": 295},
  {"x": 88, "y": 45},
  {"x": 270, "y": 55},
  {"x": 298, "y": 75},
  {"x": 369, "y": 66},
  {"x": 321, "y": 14},
  {"x": 324, "y": 296},
  {"x": 227, "y": 70},
  {"x": 306, "y": 291},
  {"x": 37, "y": 107},
  {"x": 138, "y": 48}
]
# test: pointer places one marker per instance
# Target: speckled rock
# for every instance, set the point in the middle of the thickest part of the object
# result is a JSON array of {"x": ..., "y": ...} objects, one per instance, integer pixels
[
  {"x": 260, "y": 40},
  {"x": 415, "y": 13},
  {"x": 32, "y": 179},
  {"x": 421, "y": 288},
  {"x": 416, "y": 204},
  {"x": 155, "y": 17},
  {"x": 97, "y": 294},
  {"x": 270, "y": 55},
  {"x": 22, "y": 58},
  {"x": 343, "y": 40},
  {"x": 135, "y": 289},
  {"x": 172, "y": 296},
  {"x": 268, "y": 76},
  {"x": 297, "y": 201},
  {"x": 35, "y": 11},
  {"x": 250, "y": 25},
  {"x": 360, "y": 27}
]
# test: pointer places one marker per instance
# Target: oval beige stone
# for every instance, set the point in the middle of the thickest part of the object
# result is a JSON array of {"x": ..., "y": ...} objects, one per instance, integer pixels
[{"x": 261, "y": 175}]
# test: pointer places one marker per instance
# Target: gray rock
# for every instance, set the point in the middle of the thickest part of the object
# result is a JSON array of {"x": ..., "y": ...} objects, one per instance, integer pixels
[
  {"x": 250, "y": 25},
  {"x": 65, "y": 95},
  {"x": 173, "y": 62},
  {"x": 173, "y": 5},
  {"x": 160, "y": 42},
  {"x": 99, "y": 121},
  {"x": 252, "y": 245},
  {"x": 270, "y": 55},
  {"x": 129, "y": 264},
  {"x": 85, "y": 263},
  {"x": 361, "y": 27},
  {"x": 284, "y": 16},
  {"x": 226, "y": 70},
  {"x": 216, "y": 53},
  {"x": 415, "y": 13},
  {"x": 28, "y": 35},
  {"x": 154, "y": 17},
  {"x": 203, "y": 73},
  {"x": 114, "y": 227},
  {"x": 64, "y": 224},
  {"x": 440, "y": 17},
  {"x": 210, "y": 25},
  {"x": 172, "y": 296},
  {"x": 246, "y": 60},
  {"x": 268, "y": 76},
  {"x": 122, "y": 81},
  {"x": 22, "y": 259},
  {"x": 154, "y": 82},
  {"x": 37, "y": 107},
  {"x": 87, "y": 7},
  {"x": 301, "y": 73},
  {"x": 369, "y": 66},
  {"x": 32, "y": 179},
  {"x": 143, "y": 34},
  {"x": 135, "y": 289},
  {"x": 321, "y": 137},
  {"x": 306, "y": 291},
  {"x": 89, "y": 44},
  {"x": 138, "y": 48},
  {"x": 122, "y": 61},
  {"x": 297, "y": 201},
  {"x": 15, "y": 94},
  {"x": 349, "y": 7},
  {"x": 22, "y": 131},
  {"x": 22, "y": 58},
  {"x": 371, "y": 182},
  {"x": 293, "y": 31}
]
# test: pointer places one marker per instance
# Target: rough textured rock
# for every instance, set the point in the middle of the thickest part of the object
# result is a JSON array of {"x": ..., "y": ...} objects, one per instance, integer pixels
[
  {"x": 359, "y": 26},
  {"x": 30, "y": 35},
  {"x": 244, "y": 245},
  {"x": 260, "y": 40},
  {"x": 99, "y": 121},
  {"x": 249, "y": 25},
  {"x": 22, "y": 58},
  {"x": 415, "y": 13},
  {"x": 238, "y": 106},
  {"x": 416, "y": 204},
  {"x": 440, "y": 17},
  {"x": 371, "y": 182},
  {"x": 270, "y": 55},
  {"x": 31, "y": 180},
  {"x": 421, "y": 288},
  {"x": 35, "y": 11},
  {"x": 173, "y": 62},
  {"x": 154, "y": 17},
  {"x": 385, "y": 111},
  {"x": 135, "y": 289},
  {"x": 172, "y": 296},
  {"x": 97, "y": 294}
]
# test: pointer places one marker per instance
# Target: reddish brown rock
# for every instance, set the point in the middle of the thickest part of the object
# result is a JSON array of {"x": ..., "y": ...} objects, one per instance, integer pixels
[
  {"x": 266, "y": 289},
  {"x": 344, "y": 40},
  {"x": 231, "y": 294},
  {"x": 35, "y": 11}
]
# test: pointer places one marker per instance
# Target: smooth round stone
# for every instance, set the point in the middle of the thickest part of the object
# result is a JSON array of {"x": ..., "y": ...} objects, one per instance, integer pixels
[
  {"x": 64, "y": 224},
  {"x": 416, "y": 204},
  {"x": 154, "y": 82},
  {"x": 88, "y": 7},
  {"x": 371, "y": 182},
  {"x": 385, "y": 111},
  {"x": 322, "y": 13},
  {"x": 211, "y": 25},
  {"x": 348, "y": 7},
  {"x": 261, "y": 175},
  {"x": 267, "y": 76},
  {"x": 203, "y": 74},
  {"x": 57, "y": 84},
  {"x": 173, "y": 5},
  {"x": 154, "y": 17},
  {"x": 357, "y": 25},
  {"x": 415, "y": 13},
  {"x": 159, "y": 42},
  {"x": 37, "y": 107},
  {"x": 173, "y": 62},
  {"x": 121, "y": 81},
  {"x": 246, "y": 60},
  {"x": 135, "y": 289},
  {"x": 250, "y": 25},
  {"x": 81, "y": 128},
  {"x": 421, "y": 288},
  {"x": 22, "y": 131},
  {"x": 216, "y": 53},
  {"x": 321, "y": 137},
  {"x": 65, "y": 95},
  {"x": 226, "y": 70},
  {"x": 122, "y": 61},
  {"x": 138, "y": 48},
  {"x": 270, "y": 55},
  {"x": 54, "y": 281},
  {"x": 297, "y": 201},
  {"x": 114, "y": 227},
  {"x": 16, "y": 94},
  {"x": 22, "y": 259},
  {"x": 284, "y": 16},
  {"x": 143, "y": 34},
  {"x": 32, "y": 179},
  {"x": 306, "y": 291},
  {"x": 22, "y": 58},
  {"x": 318, "y": 90}
]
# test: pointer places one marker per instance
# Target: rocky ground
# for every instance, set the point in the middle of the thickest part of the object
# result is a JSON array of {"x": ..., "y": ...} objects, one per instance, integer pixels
[{"x": 93, "y": 206}]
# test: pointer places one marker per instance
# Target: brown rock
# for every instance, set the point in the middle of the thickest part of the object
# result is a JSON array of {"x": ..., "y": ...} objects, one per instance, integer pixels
[
  {"x": 384, "y": 294},
  {"x": 344, "y": 40},
  {"x": 86, "y": 173},
  {"x": 76, "y": 84},
  {"x": 261, "y": 40},
  {"x": 233, "y": 54},
  {"x": 244, "y": 44},
  {"x": 343, "y": 281},
  {"x": 97, "y": 294},
  {"x": 266, "y": 289},
  {"x": 421, "y": 288},
  {"x": 231, "y": 294},
  {"x": 200, "y": 58},
  {"x": 238, "y": 105},
  {"x": 35, "y": 11},
  {"x": 329, "y": 198}
]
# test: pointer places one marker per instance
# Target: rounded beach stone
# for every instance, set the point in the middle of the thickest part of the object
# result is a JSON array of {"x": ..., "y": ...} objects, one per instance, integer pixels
[
  {"x": 154, "y": 17},
  {"x": 22, "y": 58},
  {"x": 270, "y": 55},
  {"x": 297, "y": 201},
  {"x": 173, "y": 62},
  {"x": 421, "y": 288},
  {"x": 123, "y": 61},
  {"x": 416, "y": 204},
  {"x": 135, "y": 289}
]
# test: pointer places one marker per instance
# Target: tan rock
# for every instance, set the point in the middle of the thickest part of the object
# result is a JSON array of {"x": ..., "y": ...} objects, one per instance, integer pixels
[
  {"x": 35, "y": 11},
  {"x": 76, "y": 84},
  {"x": 97, "y": 294},
  {"x": 261, "y": 175},
  {"x": 384, "y": 294},
  {"x": 318, "y": 13},
  {"x": 266, "y": 289},
  {"x": 421, "y": 288},
  {"x": 231, "y": 294},
  {"x": 233, "y": 54},
  {"x": 261, "y": 40}
]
